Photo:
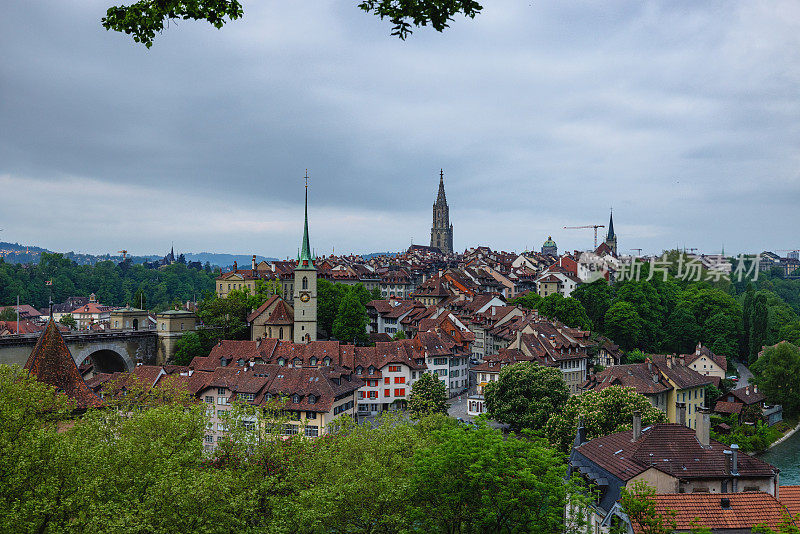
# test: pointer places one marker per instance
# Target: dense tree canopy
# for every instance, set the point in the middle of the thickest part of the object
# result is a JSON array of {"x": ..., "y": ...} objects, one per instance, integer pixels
[
  {"x": 149, "y": 472},
  {"x": 567, "y": 310},
  {"x": 114, "y": 284},
  {"x": 144, "y": 18},
  {"x": 602, "y": 412},
  {"x": 775, "y": 373},
  {"x": 525, "y": 395}
]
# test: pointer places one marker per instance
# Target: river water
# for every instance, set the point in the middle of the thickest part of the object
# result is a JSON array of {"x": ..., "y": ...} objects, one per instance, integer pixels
[{"x": 786, "y": 457}]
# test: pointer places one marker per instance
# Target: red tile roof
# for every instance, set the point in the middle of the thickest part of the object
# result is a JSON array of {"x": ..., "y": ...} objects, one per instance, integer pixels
[
  {"x": 790, "y": 498},
  {"x": 748, "y": 395},
  {"x": 52, "y": 363},
  {"x": 728, "y": 407},
  {"x": 258, "y": 311},
  {"x": 741, "y": 512}
]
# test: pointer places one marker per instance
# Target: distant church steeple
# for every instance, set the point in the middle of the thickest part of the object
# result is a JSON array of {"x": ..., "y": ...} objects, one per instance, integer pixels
[
  {"x": 305, "y": 288},
  {"x": 611, "y": 237},
  {"x": 441, "y": 229}
]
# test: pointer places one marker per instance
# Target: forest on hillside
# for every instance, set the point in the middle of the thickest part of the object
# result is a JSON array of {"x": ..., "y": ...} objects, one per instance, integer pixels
[{"x": 114, "y": 284}]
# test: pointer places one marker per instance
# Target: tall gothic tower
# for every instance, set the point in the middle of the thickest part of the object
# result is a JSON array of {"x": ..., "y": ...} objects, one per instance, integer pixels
[
  {"x": 305, "y": 289},
  {"x": 442, "y": 230},
  {"x": 611, "y": 237}
]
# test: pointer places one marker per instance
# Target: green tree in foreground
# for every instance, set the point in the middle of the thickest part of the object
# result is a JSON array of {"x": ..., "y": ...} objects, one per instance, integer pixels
[
  {"x": 772, "y": 372},
  {"x": 640, "y": 507},
  {"x": 401, "y": 334},
  {"x": 428, "y": 396},
  {"x": 603, "y": 412},
  {"x": 150, "y": 472},
  {"x": 475, "y": 480},
  {"x": 525, "y": 395},
  {"x": 68, "y": 320},
  {"x": 145, "y": 18}
]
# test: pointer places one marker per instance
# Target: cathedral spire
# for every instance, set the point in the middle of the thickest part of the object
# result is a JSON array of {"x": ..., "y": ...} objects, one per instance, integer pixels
[
  {"x": 441, "y": 198},
  {"x": 305, "y": 259},
  {"x": 441, "y": 229}
]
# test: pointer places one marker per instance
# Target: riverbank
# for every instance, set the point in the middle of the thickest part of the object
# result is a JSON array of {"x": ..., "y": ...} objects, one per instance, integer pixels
[{"x": 786, "y": 436}]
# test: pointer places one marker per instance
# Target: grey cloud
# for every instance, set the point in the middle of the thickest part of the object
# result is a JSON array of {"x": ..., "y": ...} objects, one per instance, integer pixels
[{"x": 542, "y": 115}]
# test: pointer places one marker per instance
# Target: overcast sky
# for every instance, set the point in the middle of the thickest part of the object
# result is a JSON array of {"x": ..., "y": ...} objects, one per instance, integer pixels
[{"x": 683, "y": 116}]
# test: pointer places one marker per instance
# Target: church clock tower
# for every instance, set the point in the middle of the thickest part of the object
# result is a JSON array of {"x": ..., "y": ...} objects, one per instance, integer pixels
[{"x": 305, "y": 289}]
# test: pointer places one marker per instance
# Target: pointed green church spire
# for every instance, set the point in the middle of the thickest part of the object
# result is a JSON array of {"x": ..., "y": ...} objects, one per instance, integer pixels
[{"x": 305, "y": 260}]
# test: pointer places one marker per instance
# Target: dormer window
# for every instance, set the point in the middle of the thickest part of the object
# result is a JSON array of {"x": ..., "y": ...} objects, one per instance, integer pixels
[
  {"x": 313, "y": 360},
  {"x": 371, "y": 370},
  {"x": 224, "y": 362},
  {"x": 312, "y": 399},
  {"x": 359, "y": 370},
  {"x": 281, "y": 362},
  {"x": 327, "y": 360},
  {"x": 267, "y": 397},
  {"x": 296, "y": 399},
  {"x": 240, "y": 362},
  {"x": 297, "y": 362}
]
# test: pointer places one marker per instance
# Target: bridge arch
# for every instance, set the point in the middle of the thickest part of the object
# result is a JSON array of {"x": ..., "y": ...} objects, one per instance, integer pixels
[{"x": 106, "y": 357}]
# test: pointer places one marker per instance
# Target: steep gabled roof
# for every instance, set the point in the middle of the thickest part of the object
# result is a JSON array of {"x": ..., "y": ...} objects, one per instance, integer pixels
[
  {"x": 671, "y": 448},
  {"x": 52, "y": 363},
  {"x": 270, "y": 301}
]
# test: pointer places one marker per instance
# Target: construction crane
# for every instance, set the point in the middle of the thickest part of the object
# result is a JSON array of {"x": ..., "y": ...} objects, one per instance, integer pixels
[
  {"x": 595, "y": 226},
  {"x": 124, "y": 254}
]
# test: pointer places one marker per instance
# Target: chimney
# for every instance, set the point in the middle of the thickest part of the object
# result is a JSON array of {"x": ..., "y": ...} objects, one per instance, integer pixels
[
  {"x": 235, "y": 266},
  {"x": 728, "y": 454},
  {"x": 580, "y": 436},
  {"x": 680, "y": 413},
  {"x": 747, "y": 390},
  {"x": 254, "y": 262},
  {"x": 703, "y": 428},
  {"x": 755, "y": 389},
  {"x": 735, "y": 460},
  {"x": 669, "y": 361},
  {"x": 637, "y": 425}
]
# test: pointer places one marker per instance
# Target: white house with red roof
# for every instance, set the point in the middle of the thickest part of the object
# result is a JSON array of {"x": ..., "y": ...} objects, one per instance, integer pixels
[{"x": 91, "y": 313}]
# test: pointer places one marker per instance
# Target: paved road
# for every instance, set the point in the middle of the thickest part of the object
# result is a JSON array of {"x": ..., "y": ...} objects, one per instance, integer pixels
[{"x": 744, "y": 374}]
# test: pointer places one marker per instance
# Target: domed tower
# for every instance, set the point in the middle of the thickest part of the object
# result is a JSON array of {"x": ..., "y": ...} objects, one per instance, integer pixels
[
  {"x": 441, "y": 229},
  {"x": 550, "y": 247}
]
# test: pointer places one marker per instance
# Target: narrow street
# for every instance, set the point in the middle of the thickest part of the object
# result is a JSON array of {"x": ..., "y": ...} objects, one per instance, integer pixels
[{"x": 743, "y": 373}]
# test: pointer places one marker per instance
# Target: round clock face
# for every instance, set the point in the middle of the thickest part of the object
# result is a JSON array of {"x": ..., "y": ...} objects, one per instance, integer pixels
[{"x": 304, "y": 297}]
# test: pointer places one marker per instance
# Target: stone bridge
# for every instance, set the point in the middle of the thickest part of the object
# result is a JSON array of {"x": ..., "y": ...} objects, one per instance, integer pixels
[{"x": 117, "y": 350}]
